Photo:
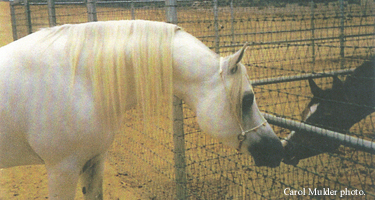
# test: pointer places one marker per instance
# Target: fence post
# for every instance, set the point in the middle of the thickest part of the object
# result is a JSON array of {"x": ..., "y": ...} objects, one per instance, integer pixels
[
  {"x": 132, "y": 9},
  {"x": 13, "y": 20},
  {"x": 179, "y": 149},
  {"x": 28, "y": 17},
  {"x": 232, "y": 21},
  {"x": 171, "y": 11},
  {"x": 313, "y": 33},
  {"x": 342, "y": 35},
  {"x": 51, "y": 13},
  {"x": 178, "y": 117},
  {"x": 91, "y": 10},
  {"x": 216, "y": 26}
]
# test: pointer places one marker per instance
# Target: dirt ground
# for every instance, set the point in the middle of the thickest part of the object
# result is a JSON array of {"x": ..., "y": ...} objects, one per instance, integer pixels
[
  {"x": 5, "y": 25},
  {"x": 221, "y": 172},
  {"x": 30, "y": 182}
]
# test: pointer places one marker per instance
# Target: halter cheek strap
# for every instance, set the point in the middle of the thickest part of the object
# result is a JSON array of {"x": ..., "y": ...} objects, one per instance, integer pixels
[{"x": 242, "y": 136}]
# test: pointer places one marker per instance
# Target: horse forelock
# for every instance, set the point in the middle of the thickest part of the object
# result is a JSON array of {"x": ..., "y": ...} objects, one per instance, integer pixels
[
  {"x": 108, "y": 50},
  {"x": 238, "y": 93}
]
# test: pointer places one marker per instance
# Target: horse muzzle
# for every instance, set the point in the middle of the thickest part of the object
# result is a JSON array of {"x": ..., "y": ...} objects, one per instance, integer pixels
[{"x": 268, "y": 151}]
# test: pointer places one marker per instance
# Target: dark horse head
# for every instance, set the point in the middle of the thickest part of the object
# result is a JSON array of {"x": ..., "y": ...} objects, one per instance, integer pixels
[{"x": 337, "y": 109}]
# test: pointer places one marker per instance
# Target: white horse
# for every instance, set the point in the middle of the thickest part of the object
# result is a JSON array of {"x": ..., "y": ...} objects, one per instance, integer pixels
[{"x": 64, "y": 89}]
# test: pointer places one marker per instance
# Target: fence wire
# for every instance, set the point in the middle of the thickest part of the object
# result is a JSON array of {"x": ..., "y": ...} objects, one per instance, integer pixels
[{"x": 287, "y": 38}]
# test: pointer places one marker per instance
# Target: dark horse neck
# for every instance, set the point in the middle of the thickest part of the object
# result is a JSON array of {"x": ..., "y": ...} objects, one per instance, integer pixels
[{"x": 360, "y": 90}]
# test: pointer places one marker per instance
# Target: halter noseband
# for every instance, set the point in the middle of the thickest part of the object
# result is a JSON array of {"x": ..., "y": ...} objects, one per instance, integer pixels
[{"x": 242, "y": 136}]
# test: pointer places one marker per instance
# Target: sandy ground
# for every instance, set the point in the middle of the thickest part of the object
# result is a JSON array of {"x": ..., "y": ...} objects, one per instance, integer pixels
[
  {"x": 207, "y": 169},
  {"x": 30, "y": 182},
  {"x": 5, "y": 25}
]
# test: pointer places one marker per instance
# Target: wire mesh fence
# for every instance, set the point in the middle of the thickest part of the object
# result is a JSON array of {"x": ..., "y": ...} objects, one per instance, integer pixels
[{"x": 287, "y": 39}]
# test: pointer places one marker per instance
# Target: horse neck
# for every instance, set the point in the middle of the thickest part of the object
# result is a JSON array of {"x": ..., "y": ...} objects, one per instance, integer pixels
[
  {"x": 359, "y": 95},
  {"x": 351, "y": 111},
  {"x": 194, "y": 66},
  {"x": 360, "y": 91},
  {"x": 360, "y": 86}
]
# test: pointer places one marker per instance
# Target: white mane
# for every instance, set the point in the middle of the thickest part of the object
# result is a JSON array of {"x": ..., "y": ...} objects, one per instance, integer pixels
[{"x": 104, "y": 50}]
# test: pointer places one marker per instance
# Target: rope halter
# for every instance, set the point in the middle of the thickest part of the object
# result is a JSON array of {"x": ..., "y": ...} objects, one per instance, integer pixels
[{"x": 242, "y": 136}]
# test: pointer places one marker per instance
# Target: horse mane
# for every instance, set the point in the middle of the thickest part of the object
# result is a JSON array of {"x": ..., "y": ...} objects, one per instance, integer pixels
[
  {"x": 116, "y": 52},
  {"x": 236, "y": 93}
]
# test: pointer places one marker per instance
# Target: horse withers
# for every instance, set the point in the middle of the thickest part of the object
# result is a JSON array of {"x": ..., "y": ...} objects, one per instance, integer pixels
[
  {"x": 337, "y": 109},
  {"x": 64, "y": 89}
]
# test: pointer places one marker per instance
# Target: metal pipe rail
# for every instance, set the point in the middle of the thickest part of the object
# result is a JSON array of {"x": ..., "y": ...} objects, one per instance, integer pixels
[
  {"x": 289, "y": 31},
  {"x": 300, "y": 77},
  {"x": 346, "y": 140}
]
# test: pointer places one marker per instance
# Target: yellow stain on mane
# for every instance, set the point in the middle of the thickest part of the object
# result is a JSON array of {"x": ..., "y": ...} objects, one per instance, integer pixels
[
  {"x": 235, "y": 95},
  {"x": 119, "y": 51}
]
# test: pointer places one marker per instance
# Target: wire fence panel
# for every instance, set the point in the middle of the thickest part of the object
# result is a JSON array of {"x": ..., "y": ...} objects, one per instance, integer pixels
[{"x": 292, "y": 40}]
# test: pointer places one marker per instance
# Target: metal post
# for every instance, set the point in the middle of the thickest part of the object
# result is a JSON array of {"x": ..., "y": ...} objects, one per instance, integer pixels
[
  {"x": 171, "y": 12},
  {"x": 91, "y": 10},
  {"x": 178, "y": 120},
  {"x": 313, "y": 33},
  {"x": 51, "y": 13},
  {"x": 216, "y": 26},
  {"x": 28, "y": 17},
  {"x": 374, "y": 26},
  {"x": 179, "y": 149},
  {"x": 13, "y": 21},
  {"x": 342, "y": 35},
  {"x": 232, "y": 20},
  {"x": 132, "y": 9}
]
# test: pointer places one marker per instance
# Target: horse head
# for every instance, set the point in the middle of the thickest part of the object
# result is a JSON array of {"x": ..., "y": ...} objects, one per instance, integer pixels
[
  {"x": 223, "y": 100},
  {"x": 323, "y": 110},
  {"x": 337, "y": 109}
]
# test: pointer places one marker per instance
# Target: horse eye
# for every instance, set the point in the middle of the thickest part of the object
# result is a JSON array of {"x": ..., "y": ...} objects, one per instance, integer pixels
[
  {"x": 234, "y": 69},
  {"x": 247, "y": 102}
]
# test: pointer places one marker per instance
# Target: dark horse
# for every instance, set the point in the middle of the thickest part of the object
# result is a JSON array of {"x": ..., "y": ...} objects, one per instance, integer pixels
[{"x": 337, "y": 109}]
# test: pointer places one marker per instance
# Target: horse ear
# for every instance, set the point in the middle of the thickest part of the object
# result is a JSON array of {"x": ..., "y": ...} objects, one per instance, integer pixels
[
  {"x": 315, "y": 89},
  {"x": 237, "y": 57},
  {"x": 337, "y": 83}
]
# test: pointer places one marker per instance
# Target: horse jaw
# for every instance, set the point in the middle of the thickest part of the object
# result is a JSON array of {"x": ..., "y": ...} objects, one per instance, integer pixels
[{"x": 262, "y": 144}]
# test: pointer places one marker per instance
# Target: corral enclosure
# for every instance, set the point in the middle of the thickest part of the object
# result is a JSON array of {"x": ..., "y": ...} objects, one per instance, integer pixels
[{"x": 289, "y": 39}]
